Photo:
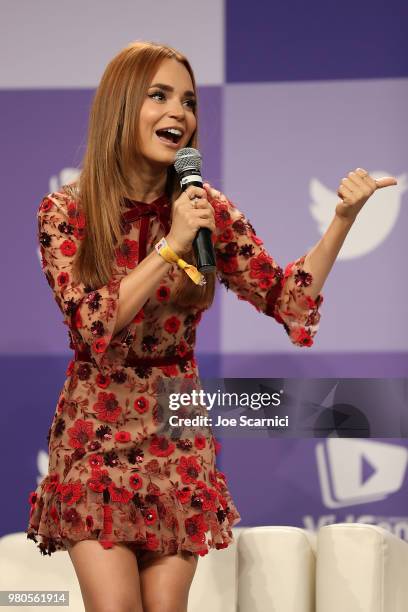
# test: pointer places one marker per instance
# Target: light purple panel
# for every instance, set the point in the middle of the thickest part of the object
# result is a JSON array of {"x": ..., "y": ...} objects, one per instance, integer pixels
[
  {"x": 309, "y": 483},
  {"x": 278, "y": 137},
  {"x": 44, "y": 132}
]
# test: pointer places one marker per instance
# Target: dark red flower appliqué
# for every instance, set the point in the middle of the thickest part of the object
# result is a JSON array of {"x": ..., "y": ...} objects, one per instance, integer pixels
[
  {"x": 163, "y": 293},
  {"x": 99, "y": 480},
  {"x": 161, "y": 446},
  {"x": 135, "y": 482},
  {"x": 127, "y": 254},
  {"x": 221, "y": 215},
  {"x": 172, "y": 325},
  {"x": 81, "y": 433},
  {"x": 107, "y": 407},
  {"x": 141, "y": 405},
  {"x": 196, "y": 528},
  {"x": 119, "y": 494},
  {"x": 301, "y": 336},
  {"x": 70, "y": 493},
  {"x": 68, "y": 248},
  {"x": 189, "y": 469}
]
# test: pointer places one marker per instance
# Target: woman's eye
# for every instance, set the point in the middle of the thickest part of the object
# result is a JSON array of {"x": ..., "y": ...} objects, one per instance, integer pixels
[{"x": 157, "y": 93}]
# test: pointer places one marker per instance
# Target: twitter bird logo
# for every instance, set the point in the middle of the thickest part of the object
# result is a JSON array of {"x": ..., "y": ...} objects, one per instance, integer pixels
[
  {"x": 374, "y": 222},
  {"x": 67, "y": 175}
]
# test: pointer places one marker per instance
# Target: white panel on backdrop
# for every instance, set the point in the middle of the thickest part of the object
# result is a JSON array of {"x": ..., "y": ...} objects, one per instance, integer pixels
[
  {"x": 286, "y": 148},
  {"x": 48, "y": 44}
]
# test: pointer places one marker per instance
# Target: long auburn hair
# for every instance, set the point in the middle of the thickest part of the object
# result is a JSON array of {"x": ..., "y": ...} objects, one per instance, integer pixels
[{"x": 112, "y": 149}]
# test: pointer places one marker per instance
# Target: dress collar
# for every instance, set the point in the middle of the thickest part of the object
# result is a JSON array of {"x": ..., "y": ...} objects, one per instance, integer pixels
[{"x": 160, "y": 208}]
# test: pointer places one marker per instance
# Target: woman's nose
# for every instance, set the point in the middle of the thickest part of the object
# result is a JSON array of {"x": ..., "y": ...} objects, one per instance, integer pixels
[{"x": 177, "y": 109}]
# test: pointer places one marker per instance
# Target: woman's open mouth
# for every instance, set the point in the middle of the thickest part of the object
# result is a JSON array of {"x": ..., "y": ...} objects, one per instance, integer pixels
[{"x": 170, "y": 137}]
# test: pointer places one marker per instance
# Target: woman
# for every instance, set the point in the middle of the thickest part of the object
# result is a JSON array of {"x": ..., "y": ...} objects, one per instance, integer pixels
[{"x": 133, "y": 507}]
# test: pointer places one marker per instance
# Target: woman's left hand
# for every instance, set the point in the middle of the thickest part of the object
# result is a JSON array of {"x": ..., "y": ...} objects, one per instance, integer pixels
[{"x": 355, "y": 190}]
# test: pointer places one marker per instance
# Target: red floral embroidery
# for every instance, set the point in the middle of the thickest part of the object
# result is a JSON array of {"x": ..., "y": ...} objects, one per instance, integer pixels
[
  {"x": 152, "y": 542},
  {"x": 141, "y": 405},
  {"x": 182, "y": 348},
  {"x": 301, "y": 336},
  {"x": 172, "y": 325},
  {"x": 122, "y": 436},
  {"x": 221, "y": 215},
  {"x": 256, "y": 239},
  {"x": 51, "y": 484},
  {"x": 70, "y": 493},
  {"x": 89, "y": 522},
  {"x": 63, "y": 279},
  {"x": 199, "y": 441},
  {"x": 127, "y": 254},
  {"x": 81, "y": 433},
  {"x": 107, "y": 407},
  {"x": 95, "y": 461},
  {"x": 188, "y": 469},
  {"x": 227, "y": 235},
  {"x": 46, "y": 205},
  {"x": 226, "y": 263},
  {"x": 99, "y": 346},
  {"x": 107, "y": 520},
  {"x": 161, "y": 447},
  {"x": 68, "y": 248},
  {"x": 136, "y": 482},
  {"x": 163, "y": 293},
  {"x": 196, "y": 528},
  {"x": 102, "y": 381},
  {"x": 99, "y": 480},
  {"x": 262, "y": 267},
  {"x": 184, "y": 495},
  {"x": 119, "y": 494},
  {"x": 108, "y": 450},
  {"x": 150, "y": 516},
  {"x": 170, "y": 370}
]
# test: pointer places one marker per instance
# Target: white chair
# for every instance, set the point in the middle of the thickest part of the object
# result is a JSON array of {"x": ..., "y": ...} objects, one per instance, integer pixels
[
  {"x": 215, "y": 582},
  {"x": 361, "y": 568},
  {"x": 22, "y": 568},
  {"x": 358, "y": 568},
  {"x": 276, "y": 570}
]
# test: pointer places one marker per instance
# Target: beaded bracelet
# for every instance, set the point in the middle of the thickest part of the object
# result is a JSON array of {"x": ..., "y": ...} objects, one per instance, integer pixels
[{"x": 170, "y": 256}]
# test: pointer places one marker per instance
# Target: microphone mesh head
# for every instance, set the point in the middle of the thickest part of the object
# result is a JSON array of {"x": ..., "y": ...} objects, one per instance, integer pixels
[{"x": 187, "y": 159}]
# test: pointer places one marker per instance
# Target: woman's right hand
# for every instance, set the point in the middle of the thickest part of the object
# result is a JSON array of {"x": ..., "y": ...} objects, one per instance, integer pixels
[{"x": 187, "y": 219}]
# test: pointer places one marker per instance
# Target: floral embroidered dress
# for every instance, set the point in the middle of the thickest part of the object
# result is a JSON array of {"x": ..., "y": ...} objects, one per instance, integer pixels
[{"x": 113, "y": 476}]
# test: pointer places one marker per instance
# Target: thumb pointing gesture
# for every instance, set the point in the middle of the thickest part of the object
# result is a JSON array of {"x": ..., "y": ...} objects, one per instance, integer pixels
[
  {"x": 356, "y": 189},
  {"x": 387, "y": 181}
]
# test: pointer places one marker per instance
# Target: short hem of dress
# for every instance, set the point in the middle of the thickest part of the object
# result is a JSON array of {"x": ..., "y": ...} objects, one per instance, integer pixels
[{"x": 49, "y": 545}]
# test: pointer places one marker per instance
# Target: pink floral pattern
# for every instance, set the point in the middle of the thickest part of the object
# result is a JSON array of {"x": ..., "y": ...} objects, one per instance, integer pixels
[{"x": 112, "y": 475}]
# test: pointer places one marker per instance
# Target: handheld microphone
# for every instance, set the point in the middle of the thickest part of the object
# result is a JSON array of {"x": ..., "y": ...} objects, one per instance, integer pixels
[{"x": 188, "y": 168}]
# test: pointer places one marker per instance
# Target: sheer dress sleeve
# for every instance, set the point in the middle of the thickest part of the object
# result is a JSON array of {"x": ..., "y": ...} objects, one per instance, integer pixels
[
  {"x": 245, "y": 267},
  {"x": 89, "y": 313}
]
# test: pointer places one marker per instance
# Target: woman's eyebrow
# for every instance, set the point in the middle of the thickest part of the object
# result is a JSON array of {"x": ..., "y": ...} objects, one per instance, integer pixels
[{"x": 169, "y": 88}]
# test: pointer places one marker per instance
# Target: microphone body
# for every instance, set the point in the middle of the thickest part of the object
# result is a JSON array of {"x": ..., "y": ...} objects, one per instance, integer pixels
[{"x": 188, "y": 168}]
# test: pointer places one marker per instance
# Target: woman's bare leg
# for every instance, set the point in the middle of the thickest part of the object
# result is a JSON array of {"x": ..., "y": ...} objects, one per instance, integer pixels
[
  {"x": 108, "y": 578},
  {"x": 165, "y": 581}
]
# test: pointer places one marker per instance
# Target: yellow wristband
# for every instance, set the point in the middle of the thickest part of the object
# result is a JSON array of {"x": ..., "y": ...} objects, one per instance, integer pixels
[{"x": 171, "y": 257}]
